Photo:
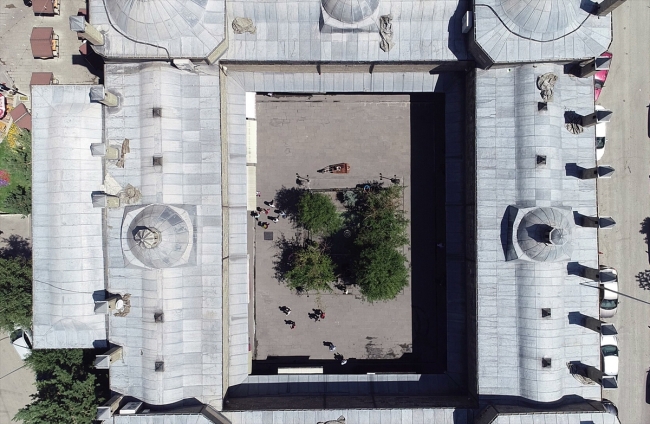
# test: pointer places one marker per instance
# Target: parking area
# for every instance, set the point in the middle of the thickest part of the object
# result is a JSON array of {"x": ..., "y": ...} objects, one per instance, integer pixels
[
  {"x": 625, "y": 197},
  {"x": 299, "y": 135}
]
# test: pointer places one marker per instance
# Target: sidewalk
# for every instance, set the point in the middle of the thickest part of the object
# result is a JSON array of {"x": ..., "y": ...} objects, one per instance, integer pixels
[{"x": 15, "y": 51}]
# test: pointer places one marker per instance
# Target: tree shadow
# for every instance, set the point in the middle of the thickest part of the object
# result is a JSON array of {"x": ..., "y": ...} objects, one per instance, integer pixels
[
  {"x": 16, "y": 246},
  {"x": 643, "y": 278},
  {"x": 645, "y": 230},
  {"x": 282, "y": 260},
  {"x": 288, "y": 199},
  {"x": 340, "y": 246}
]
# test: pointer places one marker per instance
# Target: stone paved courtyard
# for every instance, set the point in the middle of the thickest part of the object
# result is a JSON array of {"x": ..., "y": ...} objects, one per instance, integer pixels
[{"x": 301, "y": 134}]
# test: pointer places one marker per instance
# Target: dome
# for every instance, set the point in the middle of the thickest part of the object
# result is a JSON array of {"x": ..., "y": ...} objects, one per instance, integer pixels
[
  {"x": 350, "y": 11},
  {"x": 542, "y": 20},
  {"x": 157, "y": 236},
  {"x": 544, "y": 234}
]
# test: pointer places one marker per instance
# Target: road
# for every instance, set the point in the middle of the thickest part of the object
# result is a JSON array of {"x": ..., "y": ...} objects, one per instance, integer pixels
[{"x": 626, "y": 198}]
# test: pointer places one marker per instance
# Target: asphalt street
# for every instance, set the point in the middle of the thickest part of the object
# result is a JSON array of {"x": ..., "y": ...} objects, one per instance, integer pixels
[{"x": 626, "y": 198}]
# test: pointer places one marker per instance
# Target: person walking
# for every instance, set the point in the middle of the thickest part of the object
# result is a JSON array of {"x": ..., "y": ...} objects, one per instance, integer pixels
[
  {"x": 285, "y": 309},
  {"x": 322, "y": 315},
  {"x": 283, "y": 214},
  {"x": 274, "y": 218},
  {"x": 344, "y": 361},
  {"x": 332, "y": 347}
]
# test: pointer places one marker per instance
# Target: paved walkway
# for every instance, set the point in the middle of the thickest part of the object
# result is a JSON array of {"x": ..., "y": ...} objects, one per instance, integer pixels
[
  {"x": 372, "y": 134},
  {"x": 626, "y": 198},
  {"x": 17, "y": 21}
]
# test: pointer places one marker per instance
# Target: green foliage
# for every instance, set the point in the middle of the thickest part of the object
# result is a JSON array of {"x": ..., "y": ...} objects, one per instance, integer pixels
[
  {"x": 68, "y": 391},
  {"x": 16, "y": 293},
  {"x": 379, "y": 269},
  {"x": 317, "y": 213},
  {"x": 310, "y": 268},
  {"x": 16, "y": 159},
  {"x": 381, "y": 273}
]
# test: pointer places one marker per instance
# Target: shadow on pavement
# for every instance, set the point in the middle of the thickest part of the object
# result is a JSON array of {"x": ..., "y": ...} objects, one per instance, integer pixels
[{"x": 16, "y": 246}]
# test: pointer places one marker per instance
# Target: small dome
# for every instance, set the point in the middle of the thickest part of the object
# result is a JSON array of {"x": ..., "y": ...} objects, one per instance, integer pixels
[
  {"x": 159, "y": 236},
  {"x": 350, "y": 11},
  {"x": 544, "y": 234}
]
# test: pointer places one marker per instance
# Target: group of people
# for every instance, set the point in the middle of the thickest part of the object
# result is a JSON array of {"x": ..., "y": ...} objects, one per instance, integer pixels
[
  {"x": 316, "y": 315},
  {"x": 264, "y": 212}
]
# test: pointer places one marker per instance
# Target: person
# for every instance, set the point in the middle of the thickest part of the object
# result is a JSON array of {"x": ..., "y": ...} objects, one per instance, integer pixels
[
  {"x": 266, "y": 211},
  {"x": 344, "y": 361},
  {"x": 271, "y": 204},
  {"x": 274, "y": 218},
  {"x": 293, "y": 325},
  {"x": 322, "y": 315},
  {"x": 265, "y": 225},
  {"x": 255, "y": 215},
  {"x": 332, "y": 347},
  {"x": 283, "y": 214}
]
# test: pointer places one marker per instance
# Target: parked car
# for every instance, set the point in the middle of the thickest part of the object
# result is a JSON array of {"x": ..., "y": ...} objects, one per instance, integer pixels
[
  {"x": 21, "y": 339},
  {"x": 608, "y": 292},
  {"x": 600, "y": 77},
  {"x": 609, "y": 354},
  {"x": 601, "y": 136}
]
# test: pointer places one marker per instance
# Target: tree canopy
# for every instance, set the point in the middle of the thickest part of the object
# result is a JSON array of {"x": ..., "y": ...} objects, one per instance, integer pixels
[
  {"x": 317, "y": 213},
  {"x": 16, "y": 172},
  {"x": 379, "y": 268},
  {"x": 381, "y": 273},
  {"x": 310, "y": 268},
  {"x": 68, "y": 390},
  {"x": 16, "y": 293}
]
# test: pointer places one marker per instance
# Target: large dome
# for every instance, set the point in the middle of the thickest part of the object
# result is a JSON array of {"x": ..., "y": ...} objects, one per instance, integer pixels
[
  {"x": 544, "y": 234},
  {"x": 157, "y": 236},
  {"x": 350, "y": 11},
  {"x": 542, "y": 20}
]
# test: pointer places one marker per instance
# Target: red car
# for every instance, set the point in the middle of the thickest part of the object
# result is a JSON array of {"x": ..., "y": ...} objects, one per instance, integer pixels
[{"x": 600, "y": 77}]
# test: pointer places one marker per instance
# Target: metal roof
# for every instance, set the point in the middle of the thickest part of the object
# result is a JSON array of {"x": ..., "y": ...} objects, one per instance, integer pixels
[
  {"x": 67, "y": 241},
  {"x": 511, "y": 31},
  {"x": 158, "y": 29},
  {"x": 513, "y": 337},
  {"x": 558, "y": 418},
  {"x": 185, "y": 131},
  {"x": 352, "y": 416},
  {"x": 290, "y": 30}
]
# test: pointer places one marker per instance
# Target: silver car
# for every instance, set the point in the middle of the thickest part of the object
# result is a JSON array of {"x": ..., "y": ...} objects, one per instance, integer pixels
[{"x": 608, "y": 292}]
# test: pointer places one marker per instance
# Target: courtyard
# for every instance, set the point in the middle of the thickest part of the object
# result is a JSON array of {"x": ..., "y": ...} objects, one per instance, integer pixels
[{"x": 397, "y": 136}]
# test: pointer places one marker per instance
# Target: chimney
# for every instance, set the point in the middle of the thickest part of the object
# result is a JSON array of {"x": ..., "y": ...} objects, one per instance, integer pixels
[
  {"x": 596, "y": 118},
  {"x": 597, "y": 172},
  {"x": 79, "y": 24},
  {"x": 99, "y": 94},
  {"x": 104, "y": 361},
  {"x": 597, "y": 64}
]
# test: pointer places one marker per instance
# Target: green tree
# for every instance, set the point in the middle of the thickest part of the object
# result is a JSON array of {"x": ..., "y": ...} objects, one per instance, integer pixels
[
  {"x": 379, "y": 269},
  {"x": 68, "y": 391},
  {"x": 16, "y": 293},
  {"x": 317, "y": 213},
  {"x": 381, "y": 273},
  {"x": 18, "y": 200},
  {"x": 310, "y": 268}
]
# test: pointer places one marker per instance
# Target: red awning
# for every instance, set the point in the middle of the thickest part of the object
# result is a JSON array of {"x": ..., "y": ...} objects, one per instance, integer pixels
[
  {"x": 41, "y": 41},
  {"x": 41, "y": 78},
  {"x": 43, "y": 6},
  {"x": 22, "y": 118}
]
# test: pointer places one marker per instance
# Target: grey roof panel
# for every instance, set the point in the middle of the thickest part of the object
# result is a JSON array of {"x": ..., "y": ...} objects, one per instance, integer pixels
[
  {"x": 189, "y": 339},
  {"x": 539, "y": 30},
  {"x": 66, "y": 230},
  {"x": 290, "y": 30},
  {"x": 511, "y": 294},
  {"x": 159, "y": 29}
]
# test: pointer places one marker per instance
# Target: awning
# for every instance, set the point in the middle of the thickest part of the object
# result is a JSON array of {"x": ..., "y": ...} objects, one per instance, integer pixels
[
  {"x": 41, "y": 42},
  {"x": 22, "y": 118},
  {"x": 41, "y": 78}
]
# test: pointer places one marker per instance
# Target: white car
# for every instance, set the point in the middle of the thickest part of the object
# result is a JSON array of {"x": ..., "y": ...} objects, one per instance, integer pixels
[
  {"x": 608, "y": 292},
  {"x": 22, "y": 341},
  {"x": 609, "y": 354},
  {"x": 601, "y": 136}
]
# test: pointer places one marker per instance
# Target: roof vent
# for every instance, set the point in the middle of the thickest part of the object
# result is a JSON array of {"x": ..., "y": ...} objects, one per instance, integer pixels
[
  {"x": 546, "y": 362},
  {"x": 157, "y": 112},
  {"x": 546, "y": 312},
  {"x": 157, "y": 161},
  {"x": 159, "y": 317},
  {"x": 541, "y": 160},
  {"x": 160, "y": 366},
  {"x": 542, "y": 106}
]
